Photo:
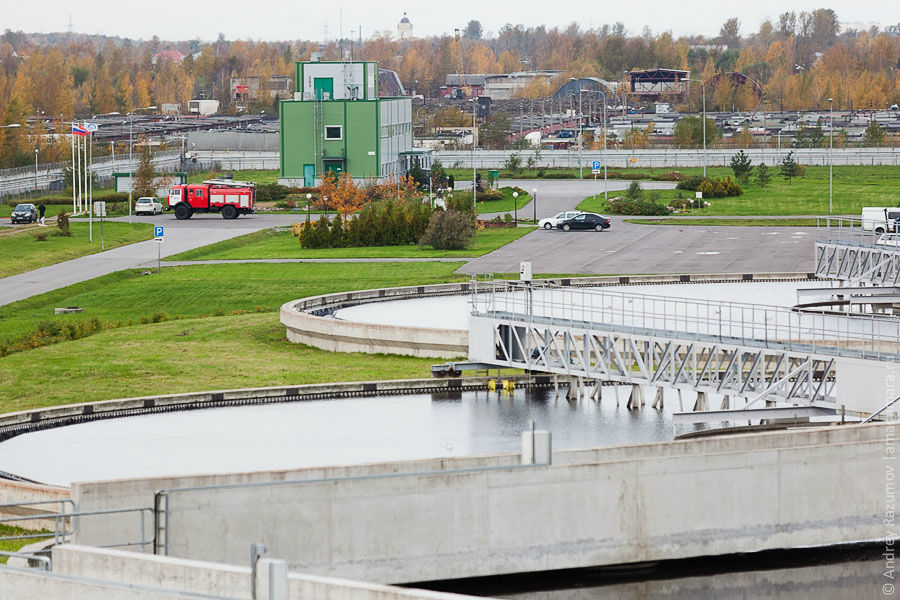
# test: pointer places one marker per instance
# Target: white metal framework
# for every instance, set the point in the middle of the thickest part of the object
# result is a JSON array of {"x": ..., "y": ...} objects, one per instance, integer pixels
[
  {"x": 846, "y": 251},
  {"x": 750, "y": 354}
]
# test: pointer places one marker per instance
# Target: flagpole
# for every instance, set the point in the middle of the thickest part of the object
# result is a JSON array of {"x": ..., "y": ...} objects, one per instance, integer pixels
[
  {"x": 72, "y": 136},
  {"x": 77, "y": 175},
  {"x": 84, "y": 199},
  {"x": 90, "y": 187}
]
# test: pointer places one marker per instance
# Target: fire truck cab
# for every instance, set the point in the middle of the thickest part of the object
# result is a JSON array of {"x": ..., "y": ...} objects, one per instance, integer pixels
[{"x": 231, "y": 198}]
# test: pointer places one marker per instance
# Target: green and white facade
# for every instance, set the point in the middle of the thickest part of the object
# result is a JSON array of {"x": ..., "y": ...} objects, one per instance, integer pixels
[{"x": 337, "y": 122}]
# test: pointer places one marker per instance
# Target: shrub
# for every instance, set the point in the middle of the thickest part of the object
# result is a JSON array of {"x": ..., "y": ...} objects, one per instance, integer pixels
[
  {"x": 271, "y": 192},
  {"x": 627, "y": 206},
  {"x": 711, "y": 187},
  {"x": 489, "y": 195},
  {"x": 62, "y": 223},
  {"x": 448, "y": 230},
  {"x": 670, "y": 176},
  {"x": 634, "y": 191},
  {"x": 41, "y": 236},
  {"x": 691, "y": 183}
]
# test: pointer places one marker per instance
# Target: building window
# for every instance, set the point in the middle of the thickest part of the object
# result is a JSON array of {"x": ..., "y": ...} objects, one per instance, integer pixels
[{"x": 333, "y": 132}]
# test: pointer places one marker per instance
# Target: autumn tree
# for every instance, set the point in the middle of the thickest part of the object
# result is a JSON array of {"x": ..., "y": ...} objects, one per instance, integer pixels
[
  {"x": 347, "y": 196},
  {"x": 145, "y": 175}
]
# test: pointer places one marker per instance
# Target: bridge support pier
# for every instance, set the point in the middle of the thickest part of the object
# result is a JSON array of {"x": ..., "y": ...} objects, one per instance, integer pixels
[
  {"x": 726, "y": 402},
  {"x": 658, "y": 400},
  {"x": 596, "y": 394},
  {"x": 636, "y": 398},
  {"x": 680, "y": 403},
  {"x": 701, "y": 403}
]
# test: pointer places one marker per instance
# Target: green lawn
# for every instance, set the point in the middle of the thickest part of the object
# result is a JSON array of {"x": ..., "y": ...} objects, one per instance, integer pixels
[
  {"x": 799, "y": 222},
  {"x": 497, "y": 206},
  {"x": 22, "y": 252},
  {"x": 16, "y": 545},
  {"x": 854, "y": 187},
  {"x": 201, "y": 350},
  {"x": 281, "y": 244}
]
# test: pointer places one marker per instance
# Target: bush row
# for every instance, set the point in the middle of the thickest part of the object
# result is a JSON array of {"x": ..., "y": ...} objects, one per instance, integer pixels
[
  {"x": 385, "y": 223},
  {"x": 627, "y": 206},
  {"x": 712, "y": 187}
]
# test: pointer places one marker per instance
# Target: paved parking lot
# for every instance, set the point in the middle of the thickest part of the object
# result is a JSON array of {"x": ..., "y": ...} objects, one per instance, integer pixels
[{"x": 627, "y": 248}]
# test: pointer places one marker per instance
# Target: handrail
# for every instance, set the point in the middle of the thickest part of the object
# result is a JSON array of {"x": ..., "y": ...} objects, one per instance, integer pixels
[
  {"x": 819, "y": 331},
  {"x": 880, "y": 410},
  {"x": 46, "y": 564},
  {"x": 61, "y": 531}
]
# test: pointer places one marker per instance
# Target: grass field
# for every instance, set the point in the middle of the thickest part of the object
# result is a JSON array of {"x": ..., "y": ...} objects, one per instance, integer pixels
[
  {"x": 22, "y": 252},
  {"x": 798, "y": 222},
  {"x": 15, "y": 545},
  {"x": 281, "y": 244},
  {"x": 854, "y": 187},
  {"x": 211, "y": 347}
]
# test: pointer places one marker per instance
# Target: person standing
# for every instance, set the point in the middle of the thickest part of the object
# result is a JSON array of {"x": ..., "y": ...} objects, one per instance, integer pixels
[{"x": 41, "y": 210}]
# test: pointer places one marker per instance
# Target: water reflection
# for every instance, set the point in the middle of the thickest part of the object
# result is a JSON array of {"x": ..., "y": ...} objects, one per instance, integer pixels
[{"x": 327, "y": 432}]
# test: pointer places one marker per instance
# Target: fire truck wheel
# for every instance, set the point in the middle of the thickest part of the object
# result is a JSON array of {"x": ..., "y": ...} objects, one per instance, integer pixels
[
  {"x": 229, "y": 212},
  {"x": 182, "y": 212}
]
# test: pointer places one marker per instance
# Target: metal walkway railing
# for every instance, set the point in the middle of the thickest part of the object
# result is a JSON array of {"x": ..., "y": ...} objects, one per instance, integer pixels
[{"x": 751, "y": 325}]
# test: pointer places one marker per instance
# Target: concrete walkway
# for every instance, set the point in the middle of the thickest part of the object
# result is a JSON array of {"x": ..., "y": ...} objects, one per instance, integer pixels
[{"x": 242, "y": 261}]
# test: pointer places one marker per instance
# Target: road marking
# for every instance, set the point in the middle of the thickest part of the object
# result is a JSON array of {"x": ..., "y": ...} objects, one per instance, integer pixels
[{"x": 708, "y": 252}]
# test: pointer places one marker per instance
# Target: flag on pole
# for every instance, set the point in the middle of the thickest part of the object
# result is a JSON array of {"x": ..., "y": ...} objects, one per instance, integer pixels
[
  {"x": 91, "y": 127},
  {"x": 78, "y": 130}
]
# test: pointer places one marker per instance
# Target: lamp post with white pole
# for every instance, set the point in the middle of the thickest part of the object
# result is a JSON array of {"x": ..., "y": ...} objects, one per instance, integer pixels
[
  {"x": 131, "y": 154},
  {"x": 703, "y": 88},
  {"x": 474, "y": 177},
  {"x": 516, "y": 208},
  {"x": 35, "y": 170},
  {"x": 831, "y": 156},
  {"x": 534, "y": 204}
]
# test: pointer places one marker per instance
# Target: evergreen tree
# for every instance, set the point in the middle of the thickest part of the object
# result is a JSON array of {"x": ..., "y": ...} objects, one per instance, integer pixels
[
  {"x": 763, "y": 178},
  {"x": 634, "y": 191},
  {"x": 145, "y": 174},
  {"x": 874, "y": 135},
  {"x": 789, "y": 167},
  {"x": 742, "y": 166}
]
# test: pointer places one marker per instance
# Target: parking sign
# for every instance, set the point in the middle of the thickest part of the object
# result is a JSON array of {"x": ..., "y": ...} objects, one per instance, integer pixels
[
  {"x": 158, "y": 233},
  {"x": 596, "y": 165}
]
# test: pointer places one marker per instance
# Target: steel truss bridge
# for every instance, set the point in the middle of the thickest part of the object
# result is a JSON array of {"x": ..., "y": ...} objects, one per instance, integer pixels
[
  {"x": 847, "y": 252},
  {"x": 754, "y": 356}
]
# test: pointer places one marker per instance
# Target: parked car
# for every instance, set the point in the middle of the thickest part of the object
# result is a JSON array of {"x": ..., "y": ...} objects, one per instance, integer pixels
[
  {"x": 551, "y": 222},
  {"x": 148, "y": 206},
  {"x": 24, "y": 213},
  {"x": 585, "y": 221}
]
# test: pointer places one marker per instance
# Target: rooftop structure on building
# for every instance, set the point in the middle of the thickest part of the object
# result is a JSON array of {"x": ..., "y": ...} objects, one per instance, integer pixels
[
  {"x": 341, "y": 120},
  {"x": 653, "y": 84},
  {"x": 404, "y": 28}
]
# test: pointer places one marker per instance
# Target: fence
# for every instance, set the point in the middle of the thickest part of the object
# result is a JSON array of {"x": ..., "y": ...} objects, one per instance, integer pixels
[{"x": 619, "y": 159}]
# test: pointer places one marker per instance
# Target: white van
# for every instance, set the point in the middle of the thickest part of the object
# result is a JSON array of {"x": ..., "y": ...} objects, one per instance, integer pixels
[{"x": 879, "y": 218}]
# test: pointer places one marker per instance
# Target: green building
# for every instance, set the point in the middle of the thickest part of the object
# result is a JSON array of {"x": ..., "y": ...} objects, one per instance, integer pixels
[{"x": 338, "y": 122}]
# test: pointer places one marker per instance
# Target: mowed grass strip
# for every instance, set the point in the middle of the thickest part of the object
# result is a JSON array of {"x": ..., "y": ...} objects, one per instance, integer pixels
[
  {"x": 282, "y": 244},
  {"x": 854, "y": 187},
  {"x": 21, "y": 252},
  {"x": 207, "y": 290},
  {"x": 798, "y": 222},
  {"x": 184, "y": 356}
]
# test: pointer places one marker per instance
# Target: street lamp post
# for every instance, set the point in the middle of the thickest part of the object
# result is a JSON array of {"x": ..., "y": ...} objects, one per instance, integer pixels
[
  {"x": 703, "y": 88},
  {"x": 474, "y": 184},
  {"x": 308, "y": 205},
  {"x": 831, "y": 156},
  {"x": 605, "y": 184},
  {"x": 131, "y": 154},
  {"x": 534, "y": 203},
  {"x": 35, "y": 170},
  {"x": 516, "y": 208}
]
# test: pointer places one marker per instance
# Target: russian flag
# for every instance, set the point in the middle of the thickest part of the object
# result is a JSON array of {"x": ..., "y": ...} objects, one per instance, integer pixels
[{"x": 78, "y": 130}]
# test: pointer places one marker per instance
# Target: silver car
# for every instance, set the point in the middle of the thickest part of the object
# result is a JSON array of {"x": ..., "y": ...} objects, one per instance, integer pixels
[
  {"x": 552, "y": 222},
  {"x": 147, "y": 206}
]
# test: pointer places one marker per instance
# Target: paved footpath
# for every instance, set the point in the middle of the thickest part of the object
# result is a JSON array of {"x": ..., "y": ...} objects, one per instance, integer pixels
[{"x": 180, "y": 236}]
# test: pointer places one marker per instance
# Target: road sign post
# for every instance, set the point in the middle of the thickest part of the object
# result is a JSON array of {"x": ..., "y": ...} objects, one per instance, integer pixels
[{"x": 158, "y": 235}]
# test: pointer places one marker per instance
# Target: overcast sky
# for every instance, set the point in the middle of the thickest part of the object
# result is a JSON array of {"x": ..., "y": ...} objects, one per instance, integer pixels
[{"x": 306, "y": 20}]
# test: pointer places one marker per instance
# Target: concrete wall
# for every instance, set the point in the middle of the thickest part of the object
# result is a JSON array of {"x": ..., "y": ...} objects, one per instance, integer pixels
[
  {"x": 305, "y": 323},
  {"x": 604, "y": 506},
  {"x": 215, "y": 578}
]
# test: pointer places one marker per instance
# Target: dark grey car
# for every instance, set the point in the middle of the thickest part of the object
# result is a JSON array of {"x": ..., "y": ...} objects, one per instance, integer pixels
[{"x": 24, "y": 213}]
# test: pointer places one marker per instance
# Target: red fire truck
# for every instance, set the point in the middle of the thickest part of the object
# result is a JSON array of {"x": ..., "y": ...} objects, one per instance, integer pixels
[{"x": 231, "y": 198}]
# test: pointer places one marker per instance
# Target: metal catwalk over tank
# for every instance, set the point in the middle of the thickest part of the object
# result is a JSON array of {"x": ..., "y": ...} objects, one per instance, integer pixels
[
  {"x": 752, "y": 355},
  {"x": 849, "y": 252}
]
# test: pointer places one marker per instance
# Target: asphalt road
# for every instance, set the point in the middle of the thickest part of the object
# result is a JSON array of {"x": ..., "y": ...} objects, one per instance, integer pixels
[
  {"x": 627, "y": 248},
  {"x": 180, "y": 236}
]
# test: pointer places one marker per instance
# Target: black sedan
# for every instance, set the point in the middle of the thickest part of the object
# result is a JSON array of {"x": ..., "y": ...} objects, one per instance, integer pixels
[
  {"x": 24, "y": 213},
  {"x": 585, "y": 221}
]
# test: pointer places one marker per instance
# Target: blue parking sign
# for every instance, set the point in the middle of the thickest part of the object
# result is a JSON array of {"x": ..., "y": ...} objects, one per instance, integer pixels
[
  {"x": 596, "y": 165},
  {"x": 158, "y": 232}
]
